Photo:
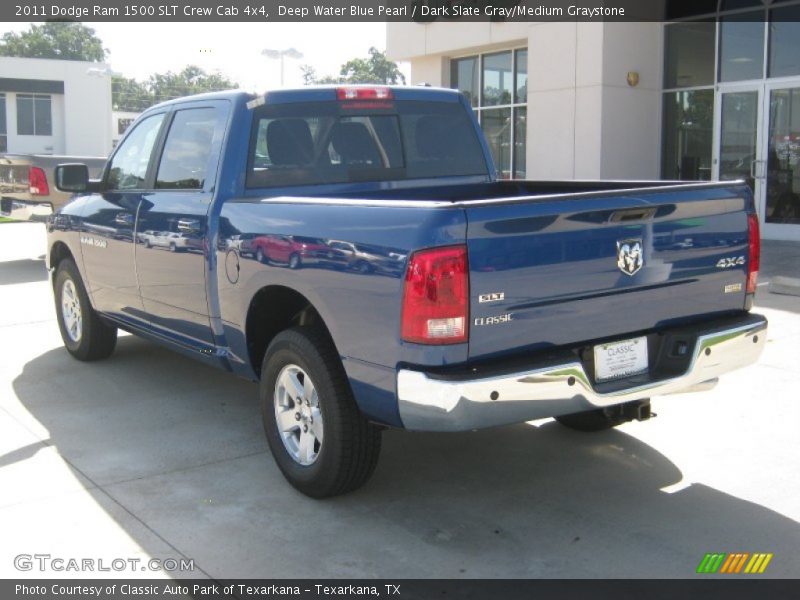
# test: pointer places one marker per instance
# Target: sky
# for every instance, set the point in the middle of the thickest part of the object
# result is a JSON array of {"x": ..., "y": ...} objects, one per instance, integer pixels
[{"x": 137, "y": 50}]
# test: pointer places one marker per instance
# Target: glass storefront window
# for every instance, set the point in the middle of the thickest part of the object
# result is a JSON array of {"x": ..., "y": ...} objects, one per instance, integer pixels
[
  {"x": 520, "y": 132},
  {"x": 464, "y": 77},
  {"x": 521, "y": 82},
  {"x": 737, "y": 4},
  {"x": 738, "y": 148},
  {"x": 784, "y": 41},
  {"x": 496, "y": 124},
  {"x": 689, "y": 54},
  {"x": 741, "y": 47},
  {"x": 492, "y": 81},
  {"x": 687, "y": 135},
  {"x": 498, "y": 79},
  {"x": 783, "y": 158},
  {"x": 679, "y": 9}
]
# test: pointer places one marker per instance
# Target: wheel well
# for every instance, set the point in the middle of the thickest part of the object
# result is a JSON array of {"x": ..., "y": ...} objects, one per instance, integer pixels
[
  {"x": 59, "y": 252},
  {"x": 273, "y": 309}
]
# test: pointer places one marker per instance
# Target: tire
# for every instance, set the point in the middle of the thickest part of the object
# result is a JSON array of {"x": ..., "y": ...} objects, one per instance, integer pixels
[
  {"x": 347, "y": 453},
  {"x": 260, "y": 257},
  {"x": 294, "y": 261},
  {"x": 605, "y": 418},
  {"x": 85, "y": 335},
  {"x": 147, "y": 244},
  {"x": 173, "y": 247},
  {"x": 363, "y": 267}
]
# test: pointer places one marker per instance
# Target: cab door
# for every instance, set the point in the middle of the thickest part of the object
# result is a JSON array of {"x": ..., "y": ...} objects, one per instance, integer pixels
[
  {"x": 108, "y": 235},
  {"x": 172, "y": 276}
]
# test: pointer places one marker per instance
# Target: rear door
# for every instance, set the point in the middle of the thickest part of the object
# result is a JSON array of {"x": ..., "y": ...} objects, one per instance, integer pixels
[
  {"x": 562, "y": 270},
  {"x": 172, "y": 275}
]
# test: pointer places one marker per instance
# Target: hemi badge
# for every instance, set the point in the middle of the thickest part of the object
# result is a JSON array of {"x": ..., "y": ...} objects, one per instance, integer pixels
[
  {"x": 493, "y": 297},
  {"x": 732, "y": 288}
]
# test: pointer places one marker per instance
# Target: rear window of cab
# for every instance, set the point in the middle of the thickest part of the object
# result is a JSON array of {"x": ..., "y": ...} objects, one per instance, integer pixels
[{"x": 321, "y": 142}]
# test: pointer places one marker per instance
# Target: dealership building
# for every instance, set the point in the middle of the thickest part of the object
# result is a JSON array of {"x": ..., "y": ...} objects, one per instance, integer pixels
[
  {"x": 55, "y": 107},
  {"x": 712, "y": 93}
]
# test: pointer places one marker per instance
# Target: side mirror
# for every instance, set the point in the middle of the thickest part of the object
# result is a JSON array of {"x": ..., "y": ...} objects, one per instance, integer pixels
[{"x": 72, "y": 177}]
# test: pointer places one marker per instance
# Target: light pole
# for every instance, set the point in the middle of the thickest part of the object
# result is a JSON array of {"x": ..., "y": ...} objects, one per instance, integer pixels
[{"x": 281, "y": 54}]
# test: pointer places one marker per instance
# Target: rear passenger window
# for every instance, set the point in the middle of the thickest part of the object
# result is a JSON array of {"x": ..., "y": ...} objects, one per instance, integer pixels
[{"x": 184, "y": 162}]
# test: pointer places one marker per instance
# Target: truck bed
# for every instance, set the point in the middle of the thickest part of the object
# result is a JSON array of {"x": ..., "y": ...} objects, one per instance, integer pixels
[{"x": 548, "y": 251}]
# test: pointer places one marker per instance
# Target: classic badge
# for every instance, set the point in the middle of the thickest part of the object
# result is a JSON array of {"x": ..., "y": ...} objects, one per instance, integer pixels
[{"x": 630, "y": 256}]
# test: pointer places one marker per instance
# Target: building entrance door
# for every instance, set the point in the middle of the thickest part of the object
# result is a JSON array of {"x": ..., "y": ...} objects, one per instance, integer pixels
[
  {"x": 780, "y": 198},
  {"x": 757, "y": 139}
]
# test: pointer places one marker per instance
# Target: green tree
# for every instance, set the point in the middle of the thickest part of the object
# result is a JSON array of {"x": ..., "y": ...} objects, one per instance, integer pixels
[
  {"x": 129, "y": 94},
  {"x": 192, "y": 80},
  {"x": 309, "y": 74},
  {"x": 376, "y": 68},
  {"x": 55, "y": 39},
  {"x": 133, "y": 95}
]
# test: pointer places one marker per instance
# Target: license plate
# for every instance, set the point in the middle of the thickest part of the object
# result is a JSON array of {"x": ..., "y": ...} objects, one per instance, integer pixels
[{"x": 620, "y": 359}]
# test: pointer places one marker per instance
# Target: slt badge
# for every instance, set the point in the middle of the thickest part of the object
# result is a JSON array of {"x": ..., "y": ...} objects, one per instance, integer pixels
[{"x": 630, "y": 256}]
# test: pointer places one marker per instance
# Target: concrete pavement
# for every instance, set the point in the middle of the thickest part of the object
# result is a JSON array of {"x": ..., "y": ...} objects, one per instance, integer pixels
[{"x": 150, "y": 454}]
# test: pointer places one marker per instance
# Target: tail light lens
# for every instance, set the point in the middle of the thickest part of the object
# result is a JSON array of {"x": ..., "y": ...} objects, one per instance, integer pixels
[
  {"x": 37, "y": 182},
  {"x": 365, "y": 98},
  {"x": 364, "y": 93},
  {"x": 754, "y": 253},
  {"x": 436, "y": 297}
]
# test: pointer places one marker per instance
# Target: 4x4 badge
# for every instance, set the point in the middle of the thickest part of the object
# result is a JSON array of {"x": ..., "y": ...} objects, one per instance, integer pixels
[{"x": 630, "y": 256}]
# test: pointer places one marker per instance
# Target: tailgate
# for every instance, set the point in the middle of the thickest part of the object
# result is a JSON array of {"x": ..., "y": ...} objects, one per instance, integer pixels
[
  {"x": 560, "y": 270},
  {"x": 14, "y": 178}
]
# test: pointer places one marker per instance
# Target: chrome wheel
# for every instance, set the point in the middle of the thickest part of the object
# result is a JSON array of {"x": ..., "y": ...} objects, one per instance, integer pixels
[
  {"x": 71, "y": 311},
  {"x": 297, "y": 414}
]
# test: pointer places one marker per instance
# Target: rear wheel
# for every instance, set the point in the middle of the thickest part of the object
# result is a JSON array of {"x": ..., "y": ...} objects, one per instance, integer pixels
[
  {"x": 85, "y": 335},
  {"x": 260, "y": 256},
  {"x": 321, "y": 442},
  {"x": 608, "y": 417}
]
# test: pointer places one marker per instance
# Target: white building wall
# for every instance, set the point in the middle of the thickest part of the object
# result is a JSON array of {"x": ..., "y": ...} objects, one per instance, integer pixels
[
  {"x": 632, "y": 115},
  {"x": 584, "y": 120},
  {"x": 81, "y": 116}
]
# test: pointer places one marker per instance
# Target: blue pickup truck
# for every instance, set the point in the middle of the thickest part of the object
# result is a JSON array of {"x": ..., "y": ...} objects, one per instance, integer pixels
[{"x": 352, "y": 249}]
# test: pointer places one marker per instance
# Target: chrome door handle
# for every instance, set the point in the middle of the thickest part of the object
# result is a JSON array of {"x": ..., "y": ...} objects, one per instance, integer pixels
[
  {"x": 189, "y": 225},
  {"x": 124, "y": 219}
]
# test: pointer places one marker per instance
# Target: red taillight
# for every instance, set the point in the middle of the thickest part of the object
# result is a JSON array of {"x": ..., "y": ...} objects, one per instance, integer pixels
[
  {"x": 754, "y": 253},
  {"x": 436, "y": 297},
  {"x": 363, "y": 93},
  {"x": 37, "y": 182}
]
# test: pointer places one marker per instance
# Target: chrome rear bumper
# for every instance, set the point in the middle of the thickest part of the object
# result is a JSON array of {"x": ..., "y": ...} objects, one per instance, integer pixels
[{"x": 430, "y": 402}]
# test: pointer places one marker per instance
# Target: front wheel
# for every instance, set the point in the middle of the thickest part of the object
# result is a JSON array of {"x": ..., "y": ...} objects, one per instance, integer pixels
[
  {"x": 85, "y": 335},
  {"x": 321, "y": 442},
  {"x": 294, "y": 261}
]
